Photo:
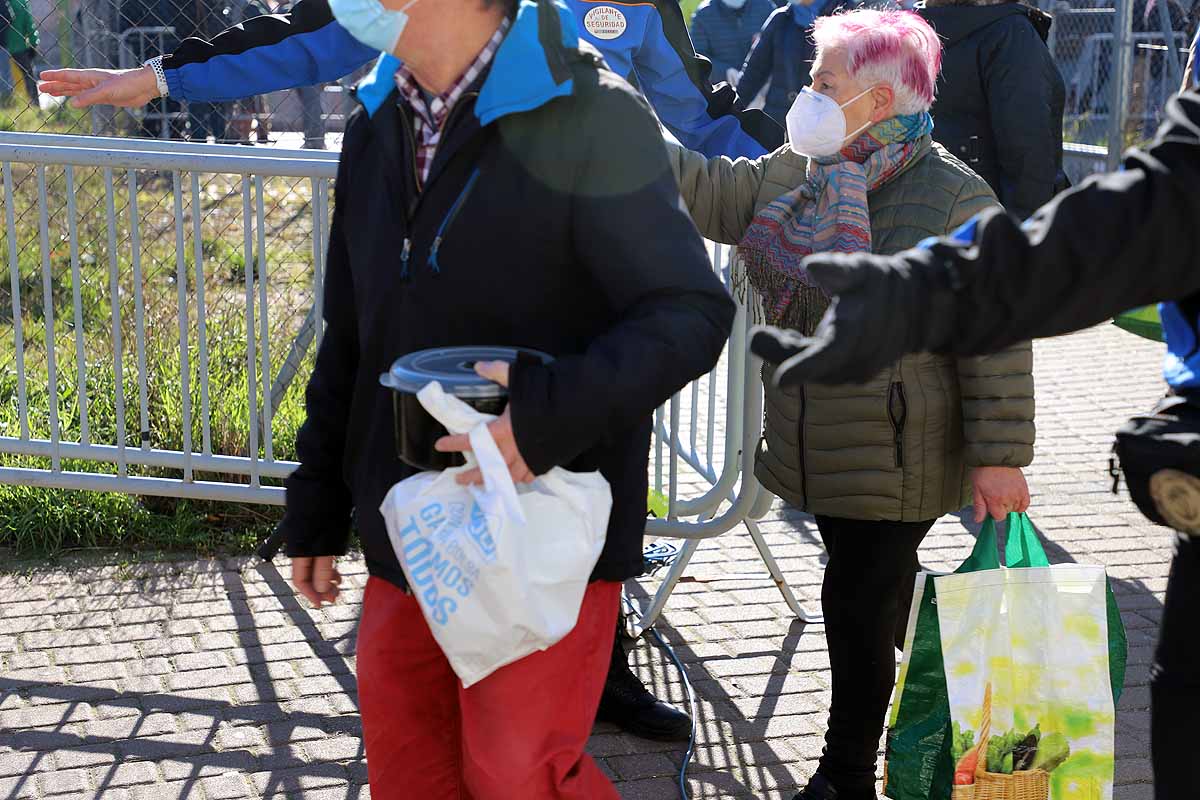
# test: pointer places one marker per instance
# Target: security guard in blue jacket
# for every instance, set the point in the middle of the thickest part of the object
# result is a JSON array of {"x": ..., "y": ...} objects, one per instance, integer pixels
[{"x": 646, "y": 42}]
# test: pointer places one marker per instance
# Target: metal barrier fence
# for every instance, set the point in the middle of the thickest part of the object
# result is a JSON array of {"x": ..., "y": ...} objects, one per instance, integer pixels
[
  {"x": 117, "y": 268},
  {"x": 138, "y": 361},
  {"x": 1081, "y": 160}
]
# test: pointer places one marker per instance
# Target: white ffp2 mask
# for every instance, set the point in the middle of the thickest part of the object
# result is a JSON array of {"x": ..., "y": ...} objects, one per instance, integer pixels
[{"x": 816, "y": 124}]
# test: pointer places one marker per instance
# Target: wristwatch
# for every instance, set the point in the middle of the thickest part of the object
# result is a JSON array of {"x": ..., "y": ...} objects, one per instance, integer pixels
[{"x": 160, "y": 77}]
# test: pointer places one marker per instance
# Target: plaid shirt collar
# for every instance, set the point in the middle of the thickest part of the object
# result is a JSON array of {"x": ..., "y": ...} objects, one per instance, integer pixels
[{"x": 432, "y": 115}]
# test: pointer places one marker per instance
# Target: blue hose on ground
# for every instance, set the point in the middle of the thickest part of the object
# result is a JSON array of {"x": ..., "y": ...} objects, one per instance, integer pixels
[
  {"x": 658, "y": 555},
  {"x": 691, "y": 696}
]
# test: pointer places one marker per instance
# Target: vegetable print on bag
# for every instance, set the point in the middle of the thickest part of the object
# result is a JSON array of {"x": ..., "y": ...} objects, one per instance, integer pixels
[
  {"x": 1009, "y": 680},
  {"x": 1027, "y": 676}
]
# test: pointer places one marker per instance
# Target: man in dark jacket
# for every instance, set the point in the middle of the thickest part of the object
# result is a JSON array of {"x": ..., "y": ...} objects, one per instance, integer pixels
[
  {"x": 1000, "y": 97},
  {"x": 307, "y": 45},
  {"x": 1115, "y": 242},
  {"x": 725, "y": 30},
  {"x": 478, "y": 201}
]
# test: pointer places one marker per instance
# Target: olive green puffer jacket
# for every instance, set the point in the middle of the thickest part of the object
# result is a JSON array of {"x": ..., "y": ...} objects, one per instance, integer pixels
[{"x": 899, "y": 447}]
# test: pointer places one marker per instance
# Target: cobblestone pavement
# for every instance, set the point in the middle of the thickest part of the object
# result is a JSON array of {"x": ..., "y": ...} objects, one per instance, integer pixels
[{"x": 208, "y": 680}]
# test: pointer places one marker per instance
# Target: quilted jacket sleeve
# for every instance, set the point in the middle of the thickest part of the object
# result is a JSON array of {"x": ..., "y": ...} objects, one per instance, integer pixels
[
  {"x": 996, "y": 389},
  {"x": 720, "y": 193}
]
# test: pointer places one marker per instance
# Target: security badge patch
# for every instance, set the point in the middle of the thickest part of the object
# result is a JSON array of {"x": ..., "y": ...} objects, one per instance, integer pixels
[{"x": 605, "y": 22}]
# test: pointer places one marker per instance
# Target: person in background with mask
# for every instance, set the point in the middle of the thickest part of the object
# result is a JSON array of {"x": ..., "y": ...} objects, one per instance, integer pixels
[
  {"x": 646, "y": 41},
  {"x": 1115, "y": 242},
  {"x": 725, "y": 30},
  {"x": 782, "y": 55},
  {"x": 488, "y": 128},
  {"x": 877, "y": 463},
  {"x": 1000, "y": 98}
]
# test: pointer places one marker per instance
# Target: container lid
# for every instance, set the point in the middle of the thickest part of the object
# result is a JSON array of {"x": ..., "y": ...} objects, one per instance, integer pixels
[{"x": 453, "y": 368}]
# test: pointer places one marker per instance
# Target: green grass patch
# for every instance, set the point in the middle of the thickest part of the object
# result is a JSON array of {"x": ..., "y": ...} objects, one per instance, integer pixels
[{"x": 66, "y": 294}]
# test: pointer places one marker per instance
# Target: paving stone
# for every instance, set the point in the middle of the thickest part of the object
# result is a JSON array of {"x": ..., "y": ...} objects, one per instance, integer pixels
[
  {"x": 205, "y": 659},
  {"x": 45, "y": 716},
  {"x": 33, "y": 660},
  {"x": 18, "y": 787},
  {"x": 337, "y": 748},
  {"x": 208, "y": 679},
  {"x": 12, "y": 763},
  {"x": 86, "y": 756},
  {"x": 241, "y": 737},
  {"x": 131, "y": 773},
  {"x": 642, "y": 765},
  {"x": 295, "y": 781},
  {"x": 231, "y": 786},
  {"x": 64, "y": 781},
  {"x": 209, "y": 765},
  {"x": 176, "y": 790}
]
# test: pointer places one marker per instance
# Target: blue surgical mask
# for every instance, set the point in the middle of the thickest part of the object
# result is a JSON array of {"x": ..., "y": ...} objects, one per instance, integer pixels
[
  {"x": 734, "y": 4},
  {"x": 371, "y": 23}
]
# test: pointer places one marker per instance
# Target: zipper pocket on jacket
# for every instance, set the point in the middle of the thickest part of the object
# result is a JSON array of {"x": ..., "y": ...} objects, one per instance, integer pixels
[
  {"x": 898, "y": 413},
  {"x": 449, "y": 220}
]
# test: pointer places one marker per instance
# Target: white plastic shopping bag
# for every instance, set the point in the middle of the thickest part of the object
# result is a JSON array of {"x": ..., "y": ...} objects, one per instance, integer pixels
[{"x": 499, "y": 570}]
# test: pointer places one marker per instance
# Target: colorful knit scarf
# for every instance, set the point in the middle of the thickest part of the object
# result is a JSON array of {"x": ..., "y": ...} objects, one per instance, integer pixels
[{"x": 827, "y": 213}]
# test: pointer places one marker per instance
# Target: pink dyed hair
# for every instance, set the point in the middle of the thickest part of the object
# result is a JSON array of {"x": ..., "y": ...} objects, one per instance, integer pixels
[{"x": 897, "y": 48}]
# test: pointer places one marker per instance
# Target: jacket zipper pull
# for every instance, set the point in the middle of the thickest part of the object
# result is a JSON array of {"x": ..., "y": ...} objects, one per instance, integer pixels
[
  {"x": 433, "y": 251},
  {"x": 404, "y": 258}
]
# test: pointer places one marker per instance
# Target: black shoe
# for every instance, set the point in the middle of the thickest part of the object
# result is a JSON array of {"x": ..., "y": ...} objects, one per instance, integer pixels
[
  {"x": 819, "y": 788},
  {"x": 628, "y": 704}
]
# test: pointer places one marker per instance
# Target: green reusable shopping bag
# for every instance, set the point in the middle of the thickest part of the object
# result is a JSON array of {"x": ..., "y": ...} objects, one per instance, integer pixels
[
  {"x": 921, "y": 740},
  {"x": 1142, "y": 321}
]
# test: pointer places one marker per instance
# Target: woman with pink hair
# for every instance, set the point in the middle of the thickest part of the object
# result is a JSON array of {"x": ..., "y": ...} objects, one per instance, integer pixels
[{"x": 876, "y": 463}]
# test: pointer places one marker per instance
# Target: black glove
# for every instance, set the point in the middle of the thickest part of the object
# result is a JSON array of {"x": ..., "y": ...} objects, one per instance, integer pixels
[{"x": 880, "y": 312}]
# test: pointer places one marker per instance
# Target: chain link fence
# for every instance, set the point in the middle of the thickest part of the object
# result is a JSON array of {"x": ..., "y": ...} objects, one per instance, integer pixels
[
  {"x": 1117, "y": 94},
  {"x": 126, "y": 223},
  {"x": 121, "y": 34},
  {"x": 141, "y": 303}
]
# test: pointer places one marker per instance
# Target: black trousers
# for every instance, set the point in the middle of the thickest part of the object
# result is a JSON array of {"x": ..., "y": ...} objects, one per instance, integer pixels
[
  {"x": 865, "y": 598},
  {"x": 1175, "y": 680}
]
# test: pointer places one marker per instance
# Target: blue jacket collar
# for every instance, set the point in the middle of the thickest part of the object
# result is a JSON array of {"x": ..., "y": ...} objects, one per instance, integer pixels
[{"x": 529, "y": 70}]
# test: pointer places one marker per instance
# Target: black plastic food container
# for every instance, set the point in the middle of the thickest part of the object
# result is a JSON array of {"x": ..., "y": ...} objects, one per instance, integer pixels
[{"x": 454, "y": 369}]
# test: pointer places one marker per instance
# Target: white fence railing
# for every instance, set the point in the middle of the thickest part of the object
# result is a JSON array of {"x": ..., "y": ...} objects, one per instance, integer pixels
[
  {"x": 118, "y": 172},
  {"x": 705, "y": 437}
]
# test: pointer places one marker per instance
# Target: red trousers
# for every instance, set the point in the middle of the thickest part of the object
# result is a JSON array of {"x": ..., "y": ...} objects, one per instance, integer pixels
[{"x": 518, "y": 733}]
